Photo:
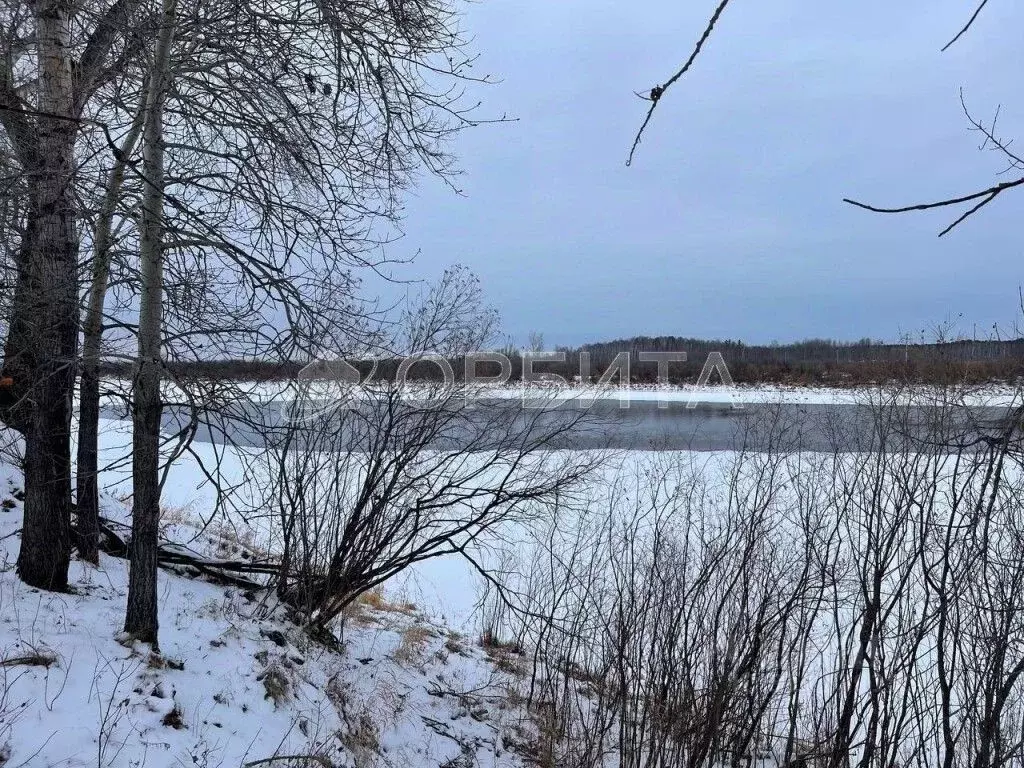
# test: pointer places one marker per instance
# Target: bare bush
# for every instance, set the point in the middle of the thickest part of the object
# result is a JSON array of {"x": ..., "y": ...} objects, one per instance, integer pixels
[
  {"x": 387, "y": 475},
  {"x": 786, "y": 608}
]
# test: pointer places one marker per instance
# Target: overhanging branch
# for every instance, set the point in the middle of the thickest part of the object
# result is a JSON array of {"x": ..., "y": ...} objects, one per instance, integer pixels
[
  {"x": 984, "y": 197},
  {"x": 659, "y": 90}
]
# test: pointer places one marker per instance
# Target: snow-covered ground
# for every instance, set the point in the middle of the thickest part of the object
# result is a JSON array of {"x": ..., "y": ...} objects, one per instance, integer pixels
[
  {"x": 992, "y": 394},
  {"x": 448, "y": 587},
  {"x": 235, "y": 683}
]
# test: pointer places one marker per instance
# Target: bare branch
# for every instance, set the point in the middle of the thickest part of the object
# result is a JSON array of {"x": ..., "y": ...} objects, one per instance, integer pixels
[
  {"x": 986, "y": 196},
  {"x": 966, "y": 26},
  {"x": 658, "y": 91}
]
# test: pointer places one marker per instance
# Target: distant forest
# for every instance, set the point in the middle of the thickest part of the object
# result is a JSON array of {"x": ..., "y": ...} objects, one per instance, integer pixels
[
  {"x": 809, "y": 362},
  {"x": 825, "y": 361}
]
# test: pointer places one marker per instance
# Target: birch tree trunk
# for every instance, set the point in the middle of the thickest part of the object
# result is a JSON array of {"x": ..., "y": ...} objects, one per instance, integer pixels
[
  {"x": 141, "y": 620},
  {"x": 41, "y": 346},
  {"x": 87, "y": 496}
]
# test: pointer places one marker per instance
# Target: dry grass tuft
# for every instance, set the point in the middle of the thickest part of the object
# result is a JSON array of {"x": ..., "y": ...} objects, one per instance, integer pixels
[
  {"x": 454, "y": 644},
  {"x": 368, "y": 608},
  {"x": 362, "y": 737},
  {"x": 276, "y": 683},
  {"x": 491, "y": 641},
  {"x": 373, "y": 599},
  {"x": 175, "y": 718},
  {"x": 363, "y": 740},
  {"x": 414, "y": 639}
]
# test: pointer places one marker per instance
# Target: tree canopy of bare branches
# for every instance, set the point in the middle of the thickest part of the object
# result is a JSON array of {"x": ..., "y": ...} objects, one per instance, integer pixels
[{"x": 289, "y": 134}]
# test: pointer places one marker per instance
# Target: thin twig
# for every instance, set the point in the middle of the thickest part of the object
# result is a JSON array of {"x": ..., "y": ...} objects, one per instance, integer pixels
[
  {"x": 967, "y": 26},
  {"x": 318, "y": 759},
  {"x": 990, "y": 135},
  {"x": 970, "y": 212},
  {"x": 659, "y": 91},
  {"x": 38, "y": 659}
]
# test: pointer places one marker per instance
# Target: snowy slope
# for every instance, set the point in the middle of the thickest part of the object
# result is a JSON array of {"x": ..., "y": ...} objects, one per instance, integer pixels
[{"x": 236, "y": 683}]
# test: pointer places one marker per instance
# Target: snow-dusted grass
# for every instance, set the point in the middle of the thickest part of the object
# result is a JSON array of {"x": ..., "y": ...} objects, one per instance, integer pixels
[{"x": 235, "y": 683}]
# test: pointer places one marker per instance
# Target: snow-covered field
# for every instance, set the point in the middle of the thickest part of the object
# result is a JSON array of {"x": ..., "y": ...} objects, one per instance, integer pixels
[
  {"x": 447, "y": 587},
  {"x": 993, "y": 394}
]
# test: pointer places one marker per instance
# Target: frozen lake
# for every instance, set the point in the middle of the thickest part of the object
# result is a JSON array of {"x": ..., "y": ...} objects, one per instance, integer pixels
[{"x": 647, "y": 424}]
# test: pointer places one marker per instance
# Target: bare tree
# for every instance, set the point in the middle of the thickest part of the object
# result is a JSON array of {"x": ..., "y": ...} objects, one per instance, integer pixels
[
  {"x": 268, "y": 220},
  {"x": 367, "y": 102},
  {"x": 141, "y": 618},
  {"x": 57, "y": 55}
]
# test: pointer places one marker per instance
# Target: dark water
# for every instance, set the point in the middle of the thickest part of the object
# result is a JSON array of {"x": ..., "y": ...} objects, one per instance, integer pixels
[{"x": 646, "y": 426}]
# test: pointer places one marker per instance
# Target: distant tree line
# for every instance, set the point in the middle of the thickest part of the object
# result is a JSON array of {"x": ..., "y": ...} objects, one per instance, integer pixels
[
  {"x": 812, "y": 361},
  {"x": 822, "y": 361}
]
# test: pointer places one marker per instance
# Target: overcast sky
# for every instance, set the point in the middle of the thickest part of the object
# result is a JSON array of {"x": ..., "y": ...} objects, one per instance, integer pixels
[{"x": 730, "y": 223}]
